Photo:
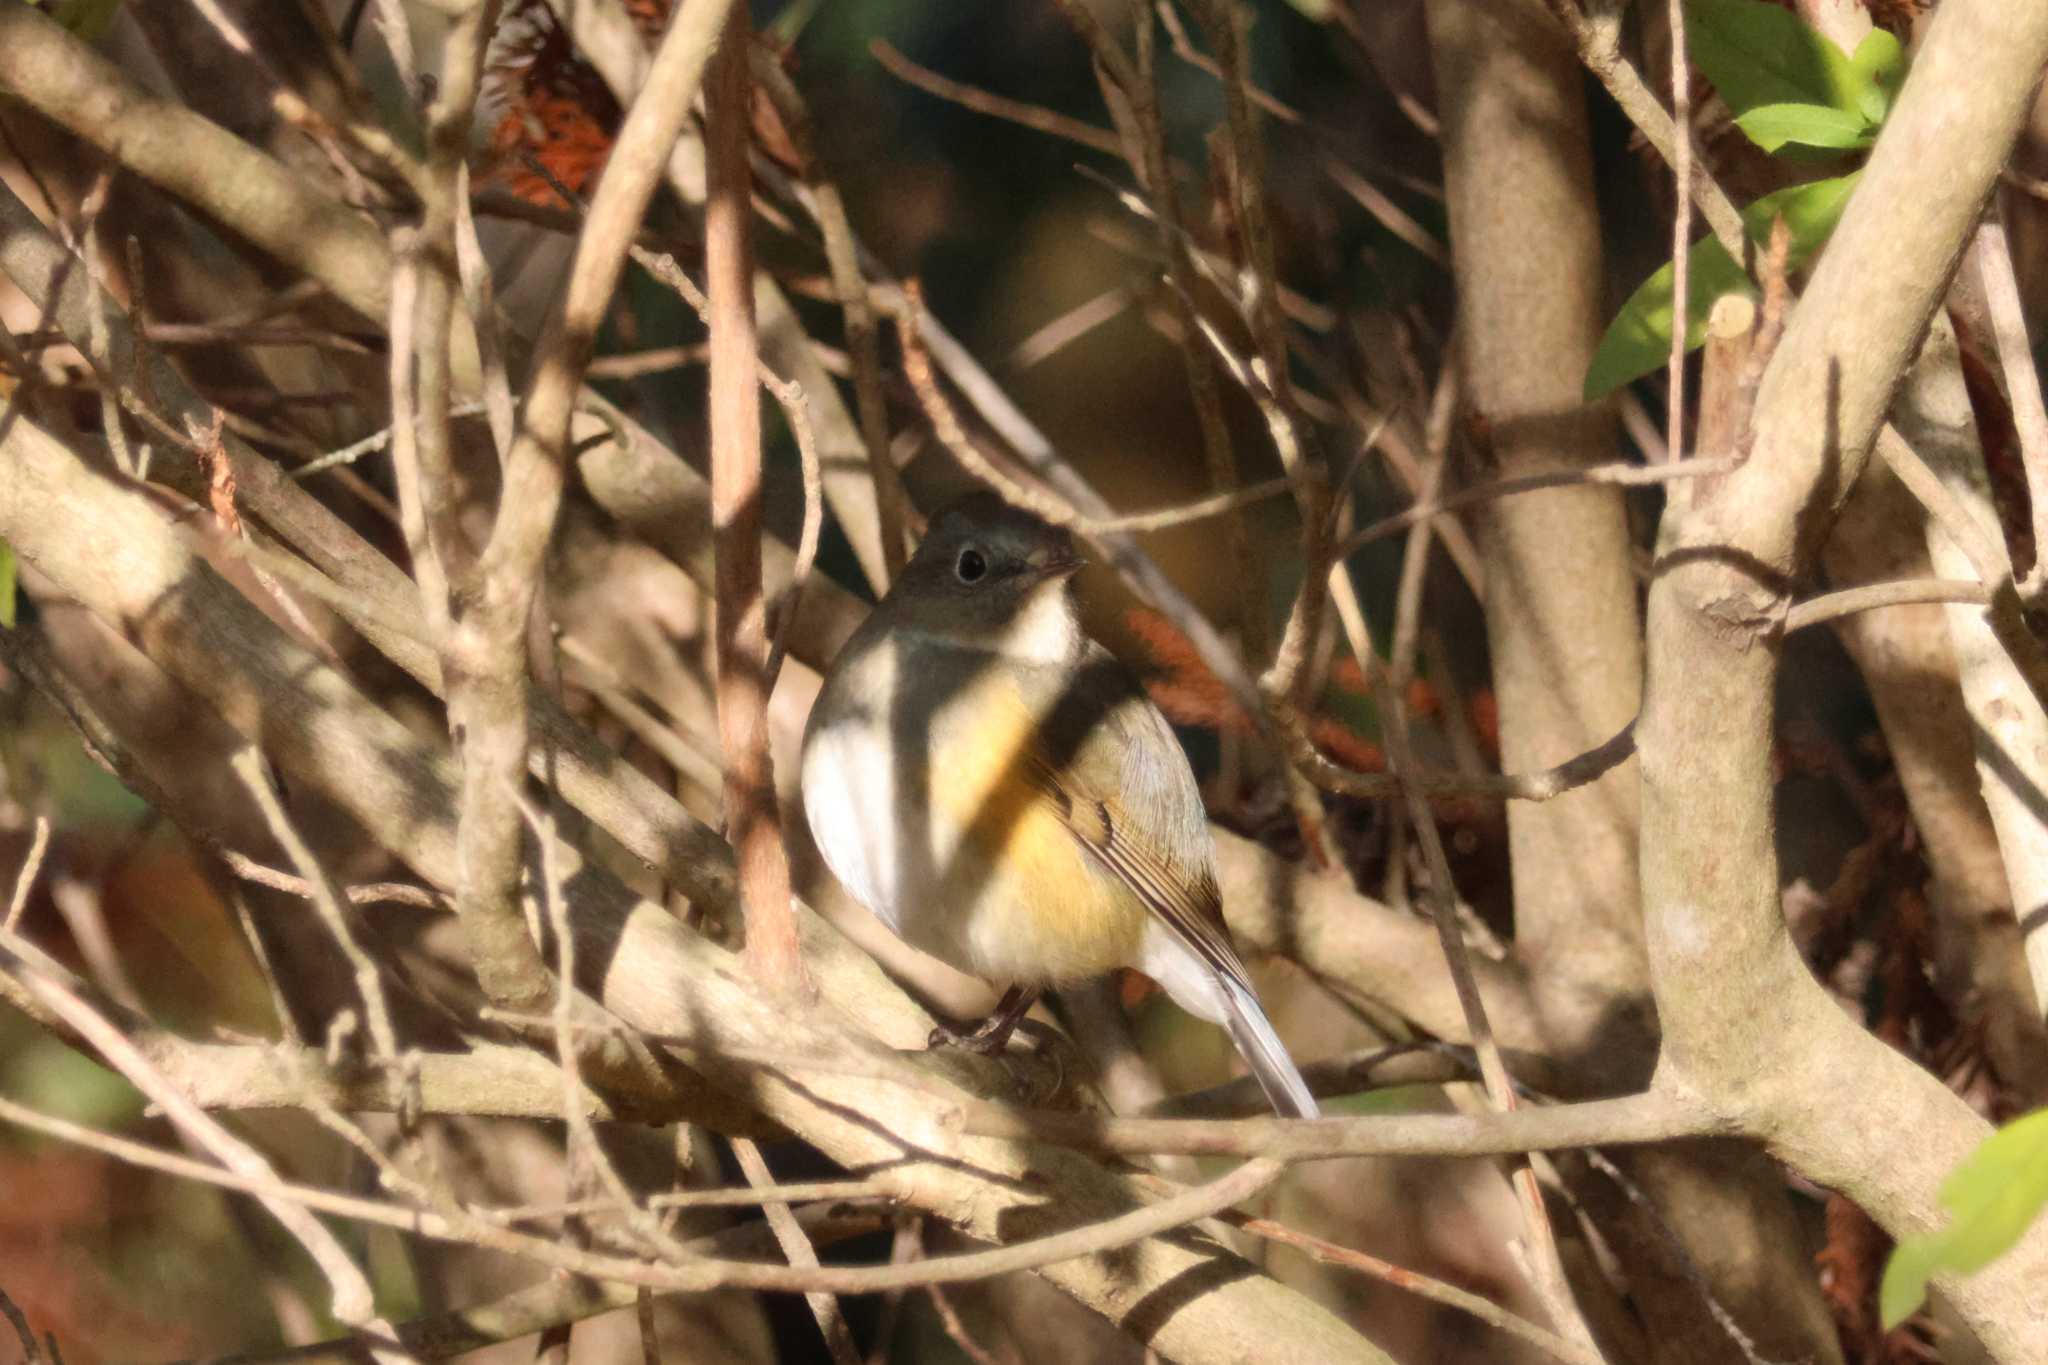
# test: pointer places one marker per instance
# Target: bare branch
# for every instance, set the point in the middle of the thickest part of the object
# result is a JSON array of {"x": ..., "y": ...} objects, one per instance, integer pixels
[
  {"x": 353, "y": 1301},
  {"x": 1839, "y": 1106},
  {"x": 1032, "y": 116},
  {"x": 862, "y": 343},
  {"x": 798, "y": 1250},
  {"x": 1548, "y": 1267},
  {"x": 487, "y": 704},
  {"x": 752, "y": 818},
  {"x": 1649, "y": 1117},
  {"x": 1597, "y": 38},
  {"x": 2022, "y": 385},
  {"x": 1681, "y": 228},
  {"x": 799, "y": 1065},
  {"x": 31, "y": 1349},
  {"x": 1623, "y": 475},
  {"x": 1423, "y": 1286},
  {"x": 25, "y": 880},
  {"x": 1848, "y": 601},
  {"x": 249, "y": 767}
]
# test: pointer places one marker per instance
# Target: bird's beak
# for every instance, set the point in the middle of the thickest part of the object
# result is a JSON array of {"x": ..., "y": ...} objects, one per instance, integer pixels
[{"x": 1061, "y": 564}]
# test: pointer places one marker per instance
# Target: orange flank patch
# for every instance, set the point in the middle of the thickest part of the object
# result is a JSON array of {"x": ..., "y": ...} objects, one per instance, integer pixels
[{"x": 1034, "y": 902}]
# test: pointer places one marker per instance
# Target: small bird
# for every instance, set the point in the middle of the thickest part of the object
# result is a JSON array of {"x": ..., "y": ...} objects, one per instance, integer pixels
[{"x": 997, "y": 788}]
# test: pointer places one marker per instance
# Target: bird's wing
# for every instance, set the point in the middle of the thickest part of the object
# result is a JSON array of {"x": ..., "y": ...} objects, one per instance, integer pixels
[{"x": 1116, "y": 776}]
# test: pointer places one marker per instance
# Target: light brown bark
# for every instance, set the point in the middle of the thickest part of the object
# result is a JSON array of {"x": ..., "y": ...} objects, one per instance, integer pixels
[{"x": 1566, "y": 647}]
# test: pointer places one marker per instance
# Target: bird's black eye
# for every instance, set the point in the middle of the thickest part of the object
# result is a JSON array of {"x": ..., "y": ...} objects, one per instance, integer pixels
[{"x": 970, "y": 567}]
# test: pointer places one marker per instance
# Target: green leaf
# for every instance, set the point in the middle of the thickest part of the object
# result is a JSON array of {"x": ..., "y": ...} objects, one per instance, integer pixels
[
  {"x": 1810, "y": 211},
  {"x": 1771, "y": 126},
  {"x": 1992, "y": 1196},
  {"x": 1758, "y": 54},
  {"x": 1639, "y": 339},
  {"x": 6, "y": 585},
  {"x": 1880, "y": 60}
]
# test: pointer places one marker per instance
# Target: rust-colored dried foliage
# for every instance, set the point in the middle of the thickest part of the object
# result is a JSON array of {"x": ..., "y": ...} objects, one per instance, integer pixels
[
  {"x": 551, "y": 107},
  {"x": 1850, "y": 1266},
  {"x": 1182, "y": 686}
]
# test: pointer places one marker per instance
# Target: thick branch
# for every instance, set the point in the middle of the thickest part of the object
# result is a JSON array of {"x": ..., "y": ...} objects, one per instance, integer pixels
[
  {"x": 1648, "y": 1117},
  {"x": 1745, "y": 1025}
]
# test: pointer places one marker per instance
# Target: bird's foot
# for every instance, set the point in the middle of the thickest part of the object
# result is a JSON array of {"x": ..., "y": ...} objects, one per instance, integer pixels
[{"x": 993, "y": 1034}]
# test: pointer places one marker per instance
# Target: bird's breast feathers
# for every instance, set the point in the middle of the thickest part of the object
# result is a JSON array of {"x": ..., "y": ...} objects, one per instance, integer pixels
[{"x": 930, "y": 814}]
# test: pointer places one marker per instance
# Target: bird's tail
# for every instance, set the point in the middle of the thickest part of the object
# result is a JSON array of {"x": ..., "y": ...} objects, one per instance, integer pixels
[{"x": 1265, "y": 1053}]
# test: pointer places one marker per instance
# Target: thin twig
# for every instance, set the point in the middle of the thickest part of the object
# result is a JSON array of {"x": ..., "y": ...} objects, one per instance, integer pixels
[
  {"x": 1681, "y": 228},
  {"x": 1422, "y": 1286},
  {"x": 790, "y": 1192},
  {"x": 795, "y": 403},
  {"x": 654, "y": 360},
  {"x": 1689, "y": 1264},
  {"x": 905, "y": 1245},
  {"x": 1543, "y": 784},
  {"x": 248, "y": 765},
  {"x": 1597, "y": 39},
  {"x": 252, "y": 939},
  {"x": 31, "y": 1351},
  {"x": 1037, "y": 452},
  {"x": 946, "y": 424},
  {"x": 692, "y": 1275},
  {"x": 367, "y": 893},
  {"x": 139, "y": 363},
  {"x": 1054, "y": 335},
  {"x": 949, "y": 1318},
  {"x": 790, "y": 600},
  {"x": 353, "y": 1301},
  {"x": 1386, "y": 212},
  {"x": 2022, "y": 385},
  {"x": 798, "y": 1250},
  {"x": 1154, "y": 169},
  {"x": 862, "y": 343},
  {"x": 480, "y": 298},
  {"x": 255, "y": 335},
  {"x": 1257, "y": 295},
  {"x": 369, "y": 445},
  {"x": 1032, "y": 116},
  {"x": 676, "y": 745},
  {"x": 583, "y": 1145},
  {"x": 88, "y": 248},
  {"x": 1541, "y": 1245},
  {"x": 1625, "y": 475},
  {"x": 1408, "y": 595},
  {"x": 1443, "y": 408},
  {"x": 25, "y": 880},
  {"x": 1052, "y": 507},
  {"x": 417, "y": 487},
  {"x": 1847, "y": 602}
]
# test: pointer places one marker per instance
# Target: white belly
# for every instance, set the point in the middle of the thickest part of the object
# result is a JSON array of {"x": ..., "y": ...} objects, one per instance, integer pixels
[{"x": 851, "y": 806}]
